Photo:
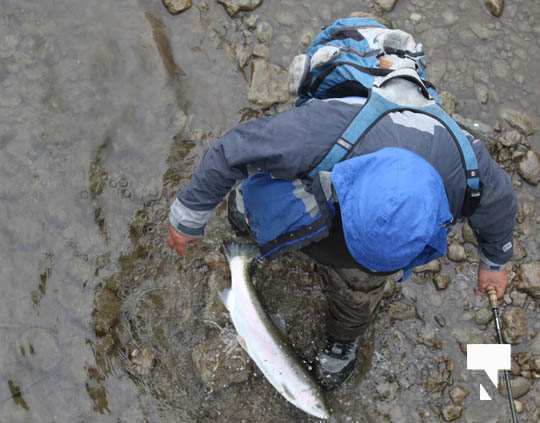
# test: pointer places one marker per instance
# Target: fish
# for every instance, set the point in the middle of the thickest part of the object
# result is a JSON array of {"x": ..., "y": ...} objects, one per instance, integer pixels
[{"x": 262, "y": 340}]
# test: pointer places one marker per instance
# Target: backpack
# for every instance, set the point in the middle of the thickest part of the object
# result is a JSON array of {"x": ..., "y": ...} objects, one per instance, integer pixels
[
  {"x": 355, "y": 57},
  {"x": 346, "y": 57}
]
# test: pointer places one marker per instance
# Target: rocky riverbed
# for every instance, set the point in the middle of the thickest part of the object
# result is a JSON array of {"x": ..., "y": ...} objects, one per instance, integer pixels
[{"x": 105, "y": 108}]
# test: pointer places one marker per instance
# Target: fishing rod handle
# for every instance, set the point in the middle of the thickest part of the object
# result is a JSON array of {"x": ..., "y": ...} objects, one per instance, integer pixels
[{"x": 492, "y": 295}]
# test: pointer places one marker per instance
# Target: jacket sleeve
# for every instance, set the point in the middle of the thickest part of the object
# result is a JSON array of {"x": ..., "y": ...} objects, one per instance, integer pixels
[
  {"x": 495, "y": 218},
  {"x": 286, "y": 145}
]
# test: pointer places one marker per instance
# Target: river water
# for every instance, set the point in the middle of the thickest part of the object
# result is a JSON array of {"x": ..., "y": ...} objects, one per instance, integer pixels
[{"x": 105, "y": 107}]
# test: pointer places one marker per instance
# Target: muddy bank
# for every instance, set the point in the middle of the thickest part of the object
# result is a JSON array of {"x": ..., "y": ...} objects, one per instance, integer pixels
[{"x": 106, "y": 108}]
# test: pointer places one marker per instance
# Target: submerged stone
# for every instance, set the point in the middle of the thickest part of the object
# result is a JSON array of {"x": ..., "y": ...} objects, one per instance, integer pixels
[
  {"x": 458, "y": 394},
  {"x": 530, "y": 279},
  {"x": 519, "y": 121},
  {"x": 402, "y": 311},
  {"x": 269, "y": 84},
  {"x": 495, "y": 7},
  {"x": 386, "y": 5},
  {"x": 468, "y": 234},
  {"x": 441, "y": 282},
  {"x": 520, "y": 387},
  {"x": 433, "y": 266},
  {"x": 456, "y": 253},
  {"x": 221, "y": 361},
  {"x": 177, "y": 6},
  {"x": 234, "y": 6},
  {"x": 483, "y": 316},
  {"x": 514, "y": 325},
  {"x": 452, "y": 412},
  {"x": 529, "y": 168}
]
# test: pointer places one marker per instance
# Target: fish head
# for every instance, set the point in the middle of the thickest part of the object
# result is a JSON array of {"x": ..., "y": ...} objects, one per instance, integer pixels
[{"x": 311, "y": 401}]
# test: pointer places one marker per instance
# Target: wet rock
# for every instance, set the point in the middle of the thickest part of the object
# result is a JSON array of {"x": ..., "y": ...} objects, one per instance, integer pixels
[
  {"x": 264, "y": 32},
  {"x": 307, "y": 38},
  {"x": 215, "y": 312},
  {"x": 529, "y": 168},
  {"x": 402, "y": 311},
  {"x": 285, "y": 41},
  {"x": 483, "y": 316},
  {"x": 535, "y": 345},
  {"x": 458, "y": 394},
  {"x": 286, "y": 18},
  {"x": 514, "y": 325},
  {"x": 142, "y": 361},
  {"x": 251, "y": 21},
  {"x": 243, "y": 54},
  {"x": 500, "y": 68},
  {"x": 386, "y": 390},
  {"x": 221, "y": 361},
  {"x": 386, "y": 5},
  {"x": 468, "y": 234},
  {"x": 269, "y": 84},
  {"x": 415, "y": 17},
  {"x": 448, "y": 102},
  {"x": 510, "y": 138},
  {"x": 217, "y": 262},
  {"x": 261, "y": 50},
  {"x": 440, "y": 377},
  {"x": 433, "y": 266},
  {"x": 428, "y": 337},
  {"x": 515, "y": 369},
  {"x": 389, "y": 288},
  {"x": 234, "y": 6},
  {"x": 465, "y": 337},
  {"x": 450, "y": 17},
  {"x": 530, "y": 279},
  {"x": 482, "y": 93},
  {"x": 518, "y": 298},
  {"x": 177, "y": 6},
  {"x": 441, "y": 282},
  {"x": 534, "y": 364},
  {"x": 456, "y": 253},
  {"x": 519, "y": 121},
  {"x": 520, "y": 387},
  {"x": 495, "y": 7},
  {"x": 451, "y": 412}
]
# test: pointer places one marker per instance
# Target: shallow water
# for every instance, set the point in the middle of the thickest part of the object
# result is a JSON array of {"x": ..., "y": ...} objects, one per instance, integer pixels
[{"x": 105, "y": 108}]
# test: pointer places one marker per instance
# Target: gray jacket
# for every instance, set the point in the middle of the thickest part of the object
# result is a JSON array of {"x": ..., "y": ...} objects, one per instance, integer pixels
[{"x": 292, "y": 143}]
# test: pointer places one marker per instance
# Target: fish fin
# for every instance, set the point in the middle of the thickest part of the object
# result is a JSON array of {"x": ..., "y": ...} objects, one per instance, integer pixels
[
  {"x": 234, "y": 249},
  {"x": 226, "y": 298},
  {"x": 279, "y": 323}
]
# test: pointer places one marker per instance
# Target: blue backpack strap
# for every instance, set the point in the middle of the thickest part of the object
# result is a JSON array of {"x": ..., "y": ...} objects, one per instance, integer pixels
[
  {"x": 473, "y": 193},
  {"x": 375, "y": 109}
]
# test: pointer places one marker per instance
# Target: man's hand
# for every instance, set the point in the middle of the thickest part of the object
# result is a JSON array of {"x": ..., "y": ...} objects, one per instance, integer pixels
[
  {"x": 178, "y": 241},
  {"x": 497, "y": 280}
]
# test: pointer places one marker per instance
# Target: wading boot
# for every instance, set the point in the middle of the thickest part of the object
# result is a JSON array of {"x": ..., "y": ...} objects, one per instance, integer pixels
[{"x": 335, "y": 362}]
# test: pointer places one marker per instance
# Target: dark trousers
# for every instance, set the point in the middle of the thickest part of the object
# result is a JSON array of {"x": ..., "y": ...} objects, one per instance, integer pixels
[{"x": 353, "y": 293}]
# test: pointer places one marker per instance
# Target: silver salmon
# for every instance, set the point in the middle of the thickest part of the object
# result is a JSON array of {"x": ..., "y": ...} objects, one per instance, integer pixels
[{"x": 266, "y": 346}]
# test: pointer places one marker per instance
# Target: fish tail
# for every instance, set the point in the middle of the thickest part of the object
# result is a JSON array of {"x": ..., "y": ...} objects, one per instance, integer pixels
[{"x": 234, "y": 249}]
